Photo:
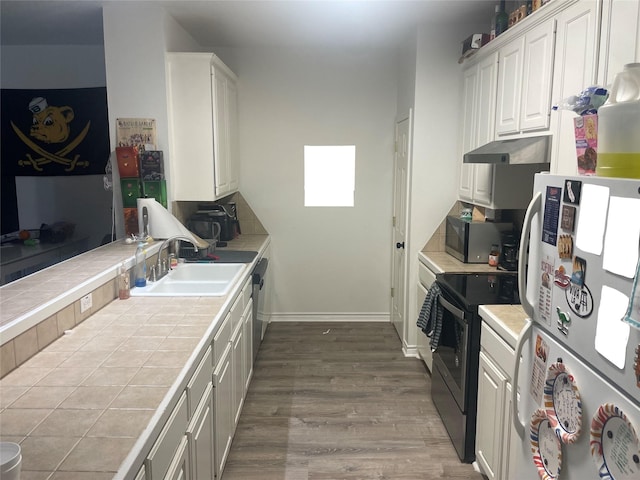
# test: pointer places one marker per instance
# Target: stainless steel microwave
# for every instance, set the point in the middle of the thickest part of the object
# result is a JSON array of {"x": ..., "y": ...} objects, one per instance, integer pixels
[{"x": 470, "y": 242}]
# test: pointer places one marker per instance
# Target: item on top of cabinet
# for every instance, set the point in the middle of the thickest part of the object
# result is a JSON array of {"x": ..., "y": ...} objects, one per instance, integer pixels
[
  {"x": 502, "y": 19},
  {"x": 466, "y": 214},
  {"x": 619, "y": 124},
  {"x": 474, "y": 42},
  {"x": 517, "y": 15},
  {"x": 492, "y": 31}
]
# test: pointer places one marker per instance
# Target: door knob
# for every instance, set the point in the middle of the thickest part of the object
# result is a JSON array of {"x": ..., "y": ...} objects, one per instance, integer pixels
[{"x": 400, "y": 245}]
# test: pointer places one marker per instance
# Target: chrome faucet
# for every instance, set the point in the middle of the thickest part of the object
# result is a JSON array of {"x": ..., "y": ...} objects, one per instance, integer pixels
[{"x": 161, "y": 272}]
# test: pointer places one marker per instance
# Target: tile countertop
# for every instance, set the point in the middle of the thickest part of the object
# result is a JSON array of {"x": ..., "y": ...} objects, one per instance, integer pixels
[
  {"x": 506, "y": 320},
  {"x": 95, "y": 400}
]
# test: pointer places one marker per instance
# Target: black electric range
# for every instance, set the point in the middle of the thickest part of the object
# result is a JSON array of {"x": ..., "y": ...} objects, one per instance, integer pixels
[
  {"x": 454, "y": 380},
  {"x": 473, "y": 289}
]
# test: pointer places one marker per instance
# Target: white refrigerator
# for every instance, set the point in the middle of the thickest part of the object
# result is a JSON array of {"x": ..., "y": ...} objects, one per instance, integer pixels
[{"x": 577, "y": 405}]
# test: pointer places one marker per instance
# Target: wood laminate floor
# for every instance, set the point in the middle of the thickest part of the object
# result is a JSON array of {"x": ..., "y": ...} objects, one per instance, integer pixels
[{"x": 332, "y": 401}]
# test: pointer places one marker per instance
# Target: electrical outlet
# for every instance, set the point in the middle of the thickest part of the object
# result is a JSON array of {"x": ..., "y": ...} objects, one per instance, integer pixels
[{"x": 85, "y": 303}]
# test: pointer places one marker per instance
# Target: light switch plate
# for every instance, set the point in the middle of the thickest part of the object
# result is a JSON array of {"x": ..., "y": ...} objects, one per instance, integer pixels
[{"x": 86, "y": 302}]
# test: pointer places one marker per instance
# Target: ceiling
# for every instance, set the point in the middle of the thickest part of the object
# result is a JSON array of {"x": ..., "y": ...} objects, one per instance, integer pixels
[{"x": 244, "y": 23}]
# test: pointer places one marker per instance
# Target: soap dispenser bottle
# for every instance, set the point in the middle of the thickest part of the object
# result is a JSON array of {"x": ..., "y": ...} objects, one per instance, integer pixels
[{"x": 141, "y": 266}]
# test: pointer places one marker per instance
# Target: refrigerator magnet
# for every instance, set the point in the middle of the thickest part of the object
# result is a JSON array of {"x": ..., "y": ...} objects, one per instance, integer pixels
[
  {"x": 580, "y": 300},
  {"x": 560, "y": 277},
  {"x": 579, "y": 271},
  {"x": 545, "y": 446},
  {"x": 572, "y": 189},
  {"x": 564, "y": 320},
  {"x": 565, "y": 247},
  {"x": 551, "y": 215},
  {"x": 568, "y": 218},
  {"x": 562, "y": 403},
  {"x": 614, "y": 444}
]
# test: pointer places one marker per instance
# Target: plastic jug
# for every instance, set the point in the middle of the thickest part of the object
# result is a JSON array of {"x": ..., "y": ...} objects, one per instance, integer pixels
[{"x": 619, "y": 127}]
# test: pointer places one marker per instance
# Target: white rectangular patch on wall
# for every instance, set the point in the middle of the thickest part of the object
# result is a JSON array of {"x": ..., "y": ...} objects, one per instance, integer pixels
[{"x": 329, "y": 175}]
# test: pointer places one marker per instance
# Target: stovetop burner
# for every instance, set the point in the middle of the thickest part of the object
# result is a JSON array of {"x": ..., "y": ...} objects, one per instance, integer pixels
[{"x": 473, "y": 289}]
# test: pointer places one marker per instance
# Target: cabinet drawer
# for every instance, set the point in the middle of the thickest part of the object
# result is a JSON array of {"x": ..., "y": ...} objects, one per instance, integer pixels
[
  {"x": 198, "y": 383},
  {"x": 168, "y": 441},
  {"x": 426, "y": 276},
  {"x": 221, "y": 339},
  {"x": 496, "y": 348}
]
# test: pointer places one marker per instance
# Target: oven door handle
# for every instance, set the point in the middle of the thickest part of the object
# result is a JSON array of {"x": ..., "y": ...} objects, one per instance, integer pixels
[{"x": 452, "y": 308}]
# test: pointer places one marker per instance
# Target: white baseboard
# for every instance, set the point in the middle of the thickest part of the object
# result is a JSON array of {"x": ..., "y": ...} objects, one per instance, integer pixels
[
  {"x": 330, "y": 317},
  {"x": 410, "y": 351}
]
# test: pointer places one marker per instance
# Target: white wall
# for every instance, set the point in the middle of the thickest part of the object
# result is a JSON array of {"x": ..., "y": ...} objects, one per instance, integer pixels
[
  {"x": 135, "y": 65},
  {"x": 435, "y": 166},
  {"x": 79, "y": 199},
  {"x": 325, "y": 260}
]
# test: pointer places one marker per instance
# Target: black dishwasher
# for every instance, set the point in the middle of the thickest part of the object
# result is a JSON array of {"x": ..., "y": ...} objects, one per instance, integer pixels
[{"x": 259, "y": 315}]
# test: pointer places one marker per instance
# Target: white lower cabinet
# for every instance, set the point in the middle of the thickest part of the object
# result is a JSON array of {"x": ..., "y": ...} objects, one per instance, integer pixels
[
  {"x": 248, "y": 344},
  {"x": 425, "y": 279},
  {"x": 142, "y": 474},
  {"x": 200, "y": 435},
  {"x": 223, "y": 409},
  {"x": 494, "y": 439},
  {"x": 492, "y": 387},
  {"x": 195, "y": 441},
  {"x": 165, "y": 451},
  {"x": 237, "y": 353},
  {"x": 179, "y": 468}
]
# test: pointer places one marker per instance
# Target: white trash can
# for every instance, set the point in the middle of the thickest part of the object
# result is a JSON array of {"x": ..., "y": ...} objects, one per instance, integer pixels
[{"x": 10, "y": 461}]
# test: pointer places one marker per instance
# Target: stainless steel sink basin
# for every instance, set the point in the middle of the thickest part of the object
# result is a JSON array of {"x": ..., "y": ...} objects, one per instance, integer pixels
[{"x": 194, "y": 280}]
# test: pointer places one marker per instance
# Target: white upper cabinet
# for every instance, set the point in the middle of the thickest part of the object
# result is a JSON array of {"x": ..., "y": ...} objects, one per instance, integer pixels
[
  {"x": 469, "y": 129},
  {"x": 524, "y": 81},
  {"x": 575, "y": 69},
  {"x": 203, "y": 127},
  {"x": 620, "y": 38},
  {"x": 536, "y": 78},
  {"x": 510, "y": 87},
  {"x": 479, "y": 107}
]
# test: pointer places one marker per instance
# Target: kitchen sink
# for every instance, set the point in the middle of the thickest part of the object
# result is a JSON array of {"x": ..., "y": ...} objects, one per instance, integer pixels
[{"x": 194, "y": 280}]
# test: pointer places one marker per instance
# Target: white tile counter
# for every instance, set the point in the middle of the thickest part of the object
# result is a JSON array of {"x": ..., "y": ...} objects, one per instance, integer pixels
[{"x": 91, "y": 403}]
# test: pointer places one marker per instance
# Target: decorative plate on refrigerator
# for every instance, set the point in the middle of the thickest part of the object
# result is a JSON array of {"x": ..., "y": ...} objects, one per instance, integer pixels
[
  {"x": 545, "y": 446},
  {"x": 562, "y": 402},
  {"x": 614, "y": 444}
]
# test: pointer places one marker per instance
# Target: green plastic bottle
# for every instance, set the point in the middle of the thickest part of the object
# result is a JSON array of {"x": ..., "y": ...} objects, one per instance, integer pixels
[{"x": 502, "y": 19}]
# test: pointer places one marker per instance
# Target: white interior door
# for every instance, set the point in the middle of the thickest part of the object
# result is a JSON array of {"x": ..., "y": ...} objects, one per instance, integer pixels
[{"x": 398, "y": 267}]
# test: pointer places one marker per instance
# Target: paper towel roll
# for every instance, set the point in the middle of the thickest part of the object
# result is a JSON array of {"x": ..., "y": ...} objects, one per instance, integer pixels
[{"x": 163, "y": 224}]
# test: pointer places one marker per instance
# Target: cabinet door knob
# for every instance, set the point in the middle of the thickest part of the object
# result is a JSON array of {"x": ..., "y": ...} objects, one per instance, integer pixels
[{"x": 400, "y": 245}]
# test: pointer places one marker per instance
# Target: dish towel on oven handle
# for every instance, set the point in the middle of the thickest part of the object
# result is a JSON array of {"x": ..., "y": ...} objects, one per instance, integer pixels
[{"x": 430, "y": 316}]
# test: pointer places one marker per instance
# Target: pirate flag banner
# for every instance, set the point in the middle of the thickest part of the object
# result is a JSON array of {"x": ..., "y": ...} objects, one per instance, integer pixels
[{"x": 54, "y": 132}]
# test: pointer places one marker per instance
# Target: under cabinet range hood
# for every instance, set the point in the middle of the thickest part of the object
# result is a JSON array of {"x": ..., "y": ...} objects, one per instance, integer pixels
[{"x": 518, "y": 151}]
